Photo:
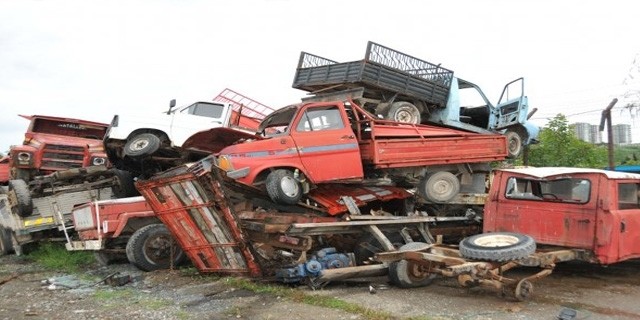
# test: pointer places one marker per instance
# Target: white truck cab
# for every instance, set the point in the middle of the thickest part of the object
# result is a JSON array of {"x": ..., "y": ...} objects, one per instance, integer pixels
[{"x": 130, "y": 138}]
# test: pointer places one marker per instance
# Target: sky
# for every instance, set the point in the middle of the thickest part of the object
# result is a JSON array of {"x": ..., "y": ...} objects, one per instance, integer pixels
[{"x": 94, "y": 59}]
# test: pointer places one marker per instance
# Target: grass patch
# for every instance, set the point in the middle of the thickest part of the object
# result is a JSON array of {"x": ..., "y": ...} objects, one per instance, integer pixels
[
  {"x": 114, "y": 298},
  {"x": 309, "y": 299},
  {"x": 55, "y": 256}
]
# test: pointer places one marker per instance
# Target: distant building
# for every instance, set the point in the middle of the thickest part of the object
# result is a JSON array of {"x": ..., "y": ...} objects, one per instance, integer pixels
[
  {"x": 621, "y": 134},
  {"x": 582, "y": 131},
  {"x": 588, "y": 132}
]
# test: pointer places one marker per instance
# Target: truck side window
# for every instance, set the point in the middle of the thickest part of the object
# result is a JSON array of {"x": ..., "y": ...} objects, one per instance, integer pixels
[
  {"x": 570, "y": 190},
  {"x": 210, "y": 110},
  {"x": 320, "y": 118},
  {"x": 628, "y": 196}
]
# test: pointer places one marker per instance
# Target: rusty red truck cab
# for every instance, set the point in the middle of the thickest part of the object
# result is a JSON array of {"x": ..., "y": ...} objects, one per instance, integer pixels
[
  {"x": 590, "y": 209},
  {"x": 52, "y": 144}
]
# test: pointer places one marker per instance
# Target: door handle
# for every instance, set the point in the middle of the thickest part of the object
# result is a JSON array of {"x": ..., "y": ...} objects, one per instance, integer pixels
[
  {"x": 347, "y": 137},
  {"x": 623, "y": 226}
]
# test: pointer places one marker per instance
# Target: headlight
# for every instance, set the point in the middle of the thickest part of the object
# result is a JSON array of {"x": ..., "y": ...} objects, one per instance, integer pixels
[
  {"x": 24, "y": 156},
  {"x": 98, "y": 161},
  {"x": 224, "y": 163}
]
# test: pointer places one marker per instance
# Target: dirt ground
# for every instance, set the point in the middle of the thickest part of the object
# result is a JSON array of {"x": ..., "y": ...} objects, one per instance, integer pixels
[{"x": 30, "y": 292}]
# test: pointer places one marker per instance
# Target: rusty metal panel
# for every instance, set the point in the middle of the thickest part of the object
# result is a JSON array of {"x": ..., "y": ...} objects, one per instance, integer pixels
[{"x": 189, "y": 200}]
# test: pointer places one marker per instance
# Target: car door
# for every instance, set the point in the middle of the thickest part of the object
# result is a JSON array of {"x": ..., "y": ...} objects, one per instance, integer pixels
[
  {"x": 326, "y": 144},
  {"x": 512, "y": 106},
  {"x": 197, "y": 117},
  {"x": 628, "y": 225}
]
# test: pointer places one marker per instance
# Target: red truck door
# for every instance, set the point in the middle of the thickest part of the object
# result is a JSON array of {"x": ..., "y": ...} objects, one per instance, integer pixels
[
  {"x": 629, "y": 220},
  {"x": 555, "y": 211},
  {"x": 326, "y": 144}
]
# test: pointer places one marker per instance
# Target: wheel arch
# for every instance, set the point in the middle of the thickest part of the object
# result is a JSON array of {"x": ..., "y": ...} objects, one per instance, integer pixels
[{"x": 261, "y": 176}]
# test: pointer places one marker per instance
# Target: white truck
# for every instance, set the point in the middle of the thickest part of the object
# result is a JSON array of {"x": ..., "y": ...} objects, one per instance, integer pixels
[{"x": 149, "y": 143}]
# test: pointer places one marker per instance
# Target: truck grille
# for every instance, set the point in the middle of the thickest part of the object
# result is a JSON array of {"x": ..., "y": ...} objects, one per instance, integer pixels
[{"x": 58, "y": 157}]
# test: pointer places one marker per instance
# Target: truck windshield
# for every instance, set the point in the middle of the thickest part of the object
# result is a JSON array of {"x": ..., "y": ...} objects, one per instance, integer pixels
[
  {"x": 278, "y": 121},
  {"x": 572, "y": 190},
  {"x": 69, "y": 129},
  {"x": 203, "y": 109}
]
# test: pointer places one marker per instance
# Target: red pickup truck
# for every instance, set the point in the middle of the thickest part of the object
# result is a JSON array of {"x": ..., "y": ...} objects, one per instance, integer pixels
[{"x": 304, "y": 145}]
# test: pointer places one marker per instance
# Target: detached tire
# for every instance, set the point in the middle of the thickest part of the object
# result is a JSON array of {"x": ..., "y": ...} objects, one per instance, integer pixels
[
  {"x": 6, "y": 244},
  {"x": 20, "y": 198},
  {"x": 150, "y": 247},
  {"x": 283, "y": 188},
  {"x": 439, "y": 187},
  {"x": 404, "y": 112},
  {"x": 514, "y": 144},
  {"x": 141, "y": 145},
  {"x": 409, "y": 274},
  {"x": 125, "y": 187},
  {"x": 498, "y": 246}
]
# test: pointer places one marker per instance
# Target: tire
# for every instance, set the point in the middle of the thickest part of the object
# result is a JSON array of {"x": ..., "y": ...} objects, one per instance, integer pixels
[
  {"x": 21, "y": 174},
  {"x": 367, "y": 246},
  {"x": 105, "y": 258},
  {"x": 439, "y": 187},
  {"x": 514, "y": 144},
  {"x": 149, "y": 248},
  {"x": 408, "y": 274},
  {"x": 125, "y": 187},
  {"x": 498, "y": 246},
  {"x": 404, "y": 112},
  {"x": 283, "y": 188},
  {"x": 6, "y": 244},
  {"x": 23, "y": 205},
  {"x": 141, "y": 145}
]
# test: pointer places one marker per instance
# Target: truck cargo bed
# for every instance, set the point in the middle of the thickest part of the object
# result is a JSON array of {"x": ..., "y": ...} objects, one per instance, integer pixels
[{"x": 383, "y": 70}]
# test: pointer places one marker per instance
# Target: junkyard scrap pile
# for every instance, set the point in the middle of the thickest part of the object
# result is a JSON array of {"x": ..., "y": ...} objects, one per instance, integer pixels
[{"x": 380, "y": 171}]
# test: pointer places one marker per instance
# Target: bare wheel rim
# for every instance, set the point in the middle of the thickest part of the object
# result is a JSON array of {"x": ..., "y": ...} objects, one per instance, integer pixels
[
  {"x": 157, "y": 250},
  {"x": 442, "y": 187},
  {"x": 138, "y": 144},
  {"x": 416, "y": 271},
  {"x": 289, "y": 186},
  {"x": 496, "y": 241},
  {"x": 405, "y": 115}
]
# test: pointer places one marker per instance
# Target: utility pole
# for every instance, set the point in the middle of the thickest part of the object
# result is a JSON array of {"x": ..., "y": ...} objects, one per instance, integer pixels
[{"x": 606, "y": 116}]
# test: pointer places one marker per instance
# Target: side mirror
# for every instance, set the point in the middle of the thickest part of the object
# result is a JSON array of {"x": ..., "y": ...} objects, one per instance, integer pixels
[{"x": 172, "y": 104}]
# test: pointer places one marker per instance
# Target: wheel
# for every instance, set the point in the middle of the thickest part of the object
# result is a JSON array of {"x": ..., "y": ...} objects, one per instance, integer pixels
[
  {"x": 125, "y": 187},
  {"x": 523, "y": 290},
  {"x": 409, "y": 274},
  {"x": 440, "y": 186},
  {"x": 283, "y": 188},
  {"x": 20, "y": 198},
  {"x": 405, "y": 112},
  {"x": 6, "y": 244},
  {"x": 21, "y": 174},
  {"x": 150, "y": 247},
  {"x": 367, "y": 246},
  {"x": 514, "y": 144},
  {"x": 498, "y": 246},
  {"x": 141, "y": 145},
  {"x": 105, "y": 258}
]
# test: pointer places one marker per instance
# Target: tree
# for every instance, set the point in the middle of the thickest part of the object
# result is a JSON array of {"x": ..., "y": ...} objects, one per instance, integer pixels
[{"x": 559, "y": 147}]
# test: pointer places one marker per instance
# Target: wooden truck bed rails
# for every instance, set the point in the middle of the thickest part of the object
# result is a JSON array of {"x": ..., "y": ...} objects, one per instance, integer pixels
[{"x": 192, "y": 204}]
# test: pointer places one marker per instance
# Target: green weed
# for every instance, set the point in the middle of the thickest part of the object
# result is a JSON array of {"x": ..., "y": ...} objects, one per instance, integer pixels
[
  {"x": 310, "y": 299},
  {"x": 54, "y": 256}
]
